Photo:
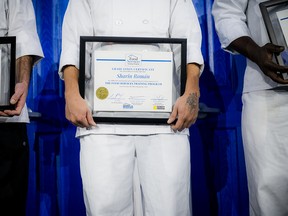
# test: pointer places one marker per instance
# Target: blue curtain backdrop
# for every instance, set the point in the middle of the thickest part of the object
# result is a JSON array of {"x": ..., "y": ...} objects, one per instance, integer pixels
[{"x": 219, "y": 184}]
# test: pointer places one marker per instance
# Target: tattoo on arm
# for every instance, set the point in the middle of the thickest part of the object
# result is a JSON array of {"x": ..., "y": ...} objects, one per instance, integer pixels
[{"x": 192, "y": 101}]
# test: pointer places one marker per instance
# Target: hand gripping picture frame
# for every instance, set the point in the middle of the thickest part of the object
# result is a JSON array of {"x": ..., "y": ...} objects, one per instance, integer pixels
[
  {"x": 7, "y": 71},
  {"x": 275, "y": 16},
  {"x": 133, "y": 80}
]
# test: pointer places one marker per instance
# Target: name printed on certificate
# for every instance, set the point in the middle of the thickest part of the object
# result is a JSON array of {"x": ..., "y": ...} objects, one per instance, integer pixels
[
  {"x": 133, "y": 81},
  {"x": 283, "y": 20}
]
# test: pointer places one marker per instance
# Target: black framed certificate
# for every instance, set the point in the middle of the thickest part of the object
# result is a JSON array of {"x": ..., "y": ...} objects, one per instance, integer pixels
[
  {"x": 275, "y": 16},
  {"x": 132, "y": 79},
  {"x": 7, "y": 71}
]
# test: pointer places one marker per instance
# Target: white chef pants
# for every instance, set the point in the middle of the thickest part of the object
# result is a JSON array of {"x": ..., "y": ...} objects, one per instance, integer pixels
[
  {"x": 107, "y": 165},
  {"x": 265, "y": 138}
]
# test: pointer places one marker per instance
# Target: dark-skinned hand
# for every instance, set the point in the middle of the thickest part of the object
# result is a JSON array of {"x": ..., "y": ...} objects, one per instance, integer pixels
[{"x": 263, "y": 57}]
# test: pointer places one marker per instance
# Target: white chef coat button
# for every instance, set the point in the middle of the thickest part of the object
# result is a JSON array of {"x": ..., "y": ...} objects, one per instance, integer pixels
[
  {"x": 118, "y": 22},
  {"x": 145, "y": 21}
]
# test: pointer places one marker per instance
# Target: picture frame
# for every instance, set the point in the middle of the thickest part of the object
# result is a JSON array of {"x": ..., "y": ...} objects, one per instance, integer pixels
[
  {"x": 116, "y": 47},
  {"x": 7, "y": 71},
  {"x": 275, "y": 16}
]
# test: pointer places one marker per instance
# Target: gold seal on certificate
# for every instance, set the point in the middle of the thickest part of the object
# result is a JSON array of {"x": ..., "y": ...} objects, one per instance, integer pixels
[
  {"x": 132, "y": 80},
  {"x": 102, "y": 93}
]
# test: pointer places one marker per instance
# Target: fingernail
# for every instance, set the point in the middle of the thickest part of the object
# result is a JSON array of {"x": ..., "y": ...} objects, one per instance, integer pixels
[{"x": 12, "y": 101}]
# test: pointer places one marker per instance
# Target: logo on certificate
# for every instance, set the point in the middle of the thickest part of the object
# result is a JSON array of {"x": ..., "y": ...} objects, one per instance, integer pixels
[
  {"x": 155, "y": 107},
  {"x": 102, "y": 93},
  {"x": 127, "y": 106},
  {"x": 133, "y": 59}
]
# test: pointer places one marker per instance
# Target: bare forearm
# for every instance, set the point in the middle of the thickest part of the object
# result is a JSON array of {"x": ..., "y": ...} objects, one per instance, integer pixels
[
  {"x": 245, "y": 46},
  {"x": 192, "y": 82},
  {"x": 262, "y": 56},
  {"x": 186, "y": 107},
  {"x": 76, "y": 109},
  {"x": 24, "y": 66},
  {"x": 71, "y": 74},
  {"x": 192, "y": 86},
  {"x": 23, "y": 70}
]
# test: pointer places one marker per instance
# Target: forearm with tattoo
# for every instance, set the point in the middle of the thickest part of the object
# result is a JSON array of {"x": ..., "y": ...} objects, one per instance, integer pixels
[{"x": 192, "y": 101}]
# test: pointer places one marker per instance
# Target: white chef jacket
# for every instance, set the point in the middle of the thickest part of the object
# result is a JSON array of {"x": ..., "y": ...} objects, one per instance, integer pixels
[
  {"x": 234, "y": 19},
  {"x": 161, "y": 18},
  {"x": 18, "y": 19}
]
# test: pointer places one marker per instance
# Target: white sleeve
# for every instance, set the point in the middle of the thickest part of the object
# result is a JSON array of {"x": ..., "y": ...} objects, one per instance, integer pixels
[
  {"x": 230, "y": 20},
  {"x": 22, "y": 24},
  {"x": 185, "y": 24},
  {"x": 77, "y": 22}
]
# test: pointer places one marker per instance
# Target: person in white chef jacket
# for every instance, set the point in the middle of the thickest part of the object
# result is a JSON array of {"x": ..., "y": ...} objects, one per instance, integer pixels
[
  {"x": 17, "y": 19},
  {"x": 241, "y": 29},
  {"x": 108, "y": 151}
]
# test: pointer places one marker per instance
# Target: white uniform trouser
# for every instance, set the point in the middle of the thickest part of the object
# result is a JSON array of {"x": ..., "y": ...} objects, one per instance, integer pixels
[
  {"x": 107, "y": 165},
  {"x": 265, "y": 138}
]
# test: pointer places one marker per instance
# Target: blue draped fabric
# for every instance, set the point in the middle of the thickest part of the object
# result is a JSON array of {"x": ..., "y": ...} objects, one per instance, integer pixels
[{"x": 219, "y": 184}]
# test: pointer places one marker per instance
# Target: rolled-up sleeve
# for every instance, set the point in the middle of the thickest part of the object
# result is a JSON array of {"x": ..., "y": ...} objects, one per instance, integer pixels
[
  {"x": 77, "y": 22},
  {"x": 22, "y": 24},
  {"x": 230, "y": 20},
  {"x": 185, "y": 24}
]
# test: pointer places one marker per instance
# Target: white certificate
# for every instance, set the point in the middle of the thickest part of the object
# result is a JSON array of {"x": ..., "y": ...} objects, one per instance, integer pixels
[
  {"x": 133, "y": 81},
  {"x": 283, "y": 20}
]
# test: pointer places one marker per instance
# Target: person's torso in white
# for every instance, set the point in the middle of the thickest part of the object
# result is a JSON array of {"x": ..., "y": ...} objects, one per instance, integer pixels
[
  {"x": 23, "y": 117},
  {"x": 130, "y": 18},
  {"x": 254, "y": 78},
  {"x": 21, "y": 47}
]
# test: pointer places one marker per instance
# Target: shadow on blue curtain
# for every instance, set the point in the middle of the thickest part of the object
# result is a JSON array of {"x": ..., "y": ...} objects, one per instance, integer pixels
[
  {"x": 218, "y": 175},
  {"x": 54, "y": 183},
  {"x": 219, "y": 185}
]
